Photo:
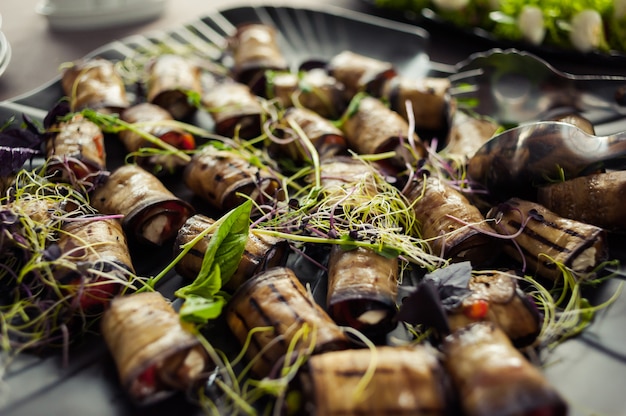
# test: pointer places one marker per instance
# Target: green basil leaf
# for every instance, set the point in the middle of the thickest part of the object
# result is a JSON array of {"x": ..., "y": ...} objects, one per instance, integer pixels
[{"x": 198, "y": 309}]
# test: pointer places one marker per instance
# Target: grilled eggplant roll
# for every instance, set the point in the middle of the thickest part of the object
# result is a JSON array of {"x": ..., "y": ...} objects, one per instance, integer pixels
[
  {"x": 312, "y": 89},
  {"x": 493, "y": 378},
  {"x": 170, "y": 79},
  {"x": 276, "y": 300},
  {"x": 443, "y": 213},
  {"x": 495, "y": 296},
  {"x": 362, "y": 289},
  {"x": 152, "y": 213},
  {"x": 152, "y": 114},
  {"x": 405, "y": 381},
  {"x": 327, "y": 139},
  {"x": 234, "y": 108},
  {"x": 96, "y": 84},
  {"x": 75, "y": 150},
  {"x": 218, "y": 176},
  {"x": 261, "y": 252},
  {"x": 154, "y": 353},
  {"x": 359, "y": 73},
  {"x": 431, "y": 106},
  {"x": 545, "y": 239},
  {"x": 468, "y": 134},
  {"x": 594, "y": 199},
  {"x": 255, "y": 50},
  {"x": 99, "y": 249},
  {"x": 374, "y": 128}
]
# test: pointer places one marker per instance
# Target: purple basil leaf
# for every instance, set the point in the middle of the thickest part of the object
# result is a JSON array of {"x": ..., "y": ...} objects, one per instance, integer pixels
[{"x": 13, "y": 158}]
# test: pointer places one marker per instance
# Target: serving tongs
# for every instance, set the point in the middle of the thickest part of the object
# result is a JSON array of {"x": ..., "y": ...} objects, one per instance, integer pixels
[{"x": 513, "y": 87}]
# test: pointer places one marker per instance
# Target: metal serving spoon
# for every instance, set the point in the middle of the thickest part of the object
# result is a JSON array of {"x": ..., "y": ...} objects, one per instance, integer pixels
[
  {"x": 514, "y": 87},
  {"x": 519, "y": 159}
]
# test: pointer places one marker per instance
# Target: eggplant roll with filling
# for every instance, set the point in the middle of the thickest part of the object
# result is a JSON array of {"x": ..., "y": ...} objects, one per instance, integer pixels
[
  {"x": 405, "y": 381},
  {"x": 313, "y": 89},
  {"x": 546, "y": 239},
  {"x": 170, "y": 80},
  {"x": 235, "y": 109},
  {"x": 495, "y": 296},
  {"x": 261, "y": 252},
  {"x": 75, "y": 150},
  {"x": 374, "y": 128},
  {"x": 443, "y": 213},
  {"x": 594, "y": 199},
  {"x": 255, "y": 50},
  {"x": 359, "y": 73},
  {"x": 431, "y": 105},
  {"x": 217, "y": 176},
  {"x": 153, "y": 115},
  {"x": 98, "y": 248},
  {"x": 95, "y": 84},
  {"x": 327, "y": 139},
  {"x": 152, "y": 213},
  {"x": 154, "y": 353},
  {"x": 276, "y": 306},
  {"x": 493, "y": 378},
  {"x": 362, "y": 289}
]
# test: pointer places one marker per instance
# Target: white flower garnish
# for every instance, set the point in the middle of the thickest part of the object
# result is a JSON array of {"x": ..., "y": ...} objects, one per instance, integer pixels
[
  {"x": 450, "y": 5},
  {"x": 587, "y": 32},
  {"x": 531, "y": 24}
]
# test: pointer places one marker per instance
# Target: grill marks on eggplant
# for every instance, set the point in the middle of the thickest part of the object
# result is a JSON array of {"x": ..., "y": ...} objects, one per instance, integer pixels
[{"x": 277, "y": 299}]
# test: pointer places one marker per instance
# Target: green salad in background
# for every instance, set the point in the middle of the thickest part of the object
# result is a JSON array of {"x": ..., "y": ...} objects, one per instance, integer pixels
[{"x": 582, "y": 25}]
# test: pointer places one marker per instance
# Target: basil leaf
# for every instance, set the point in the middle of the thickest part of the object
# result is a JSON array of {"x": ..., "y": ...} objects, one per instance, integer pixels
[
  {"x": 220, "y": 261},
  {"x": 198, "y": 309}
]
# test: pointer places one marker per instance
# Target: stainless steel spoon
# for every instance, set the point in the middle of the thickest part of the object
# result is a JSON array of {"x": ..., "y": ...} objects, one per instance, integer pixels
[
  {"x": 518, "y": 160},
  {"x": 514, "y": 87}
]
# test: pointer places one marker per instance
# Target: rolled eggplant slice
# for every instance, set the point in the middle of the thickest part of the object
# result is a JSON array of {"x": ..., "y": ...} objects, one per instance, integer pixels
[
  {"x": 152, "y": 213},
  {"x": 76, "y": 150},
  {"x": 593, "y": 199},
  {"x": 405, "y": 381},
  {"x": 312, "y": 89},
  {"x": 327, "y": 139},
  {"x": 102, "y": 265},
  {"x": 255, "y": 50},
  {"x": 431, "y": 106},
  {"x": 340, "y": 172},
  {"x": 362, "y": 290},
  {"x": 360, "y": 73},
  {"x": 218, "y": 176},
  {"x": 170, "y": 80},
  {"x": 493, "y": 378},
  {"x": 467, "y": 134},
  {"x": 496, "y": 297},
  {"x": 95, "y": 84},
  {"x": 154, "y": 353},
  {"x": 276, "y": 300},
  {"x": 261, "y": 252},
  {"x": 443, "y": 213},
  {"x": 235, "y": 109},
  {"x": 153, "y": 114},
  {"x": 374, "y": 128},
  {"x": 545, "y": 239}
]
